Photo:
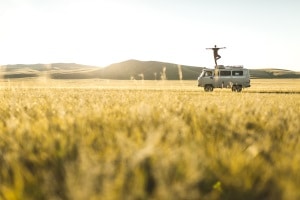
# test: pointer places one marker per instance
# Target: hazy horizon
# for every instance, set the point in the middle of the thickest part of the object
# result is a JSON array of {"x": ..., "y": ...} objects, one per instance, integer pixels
[{"x": 97, "y": 66}]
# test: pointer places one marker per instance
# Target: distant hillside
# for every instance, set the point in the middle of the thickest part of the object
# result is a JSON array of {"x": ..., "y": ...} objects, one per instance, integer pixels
[
  {"x": 130, "y": 69},
  {"x": 55, "y": 70},
  {"x": 273, "y": 73},
  {"x": 149, "y": 70}
]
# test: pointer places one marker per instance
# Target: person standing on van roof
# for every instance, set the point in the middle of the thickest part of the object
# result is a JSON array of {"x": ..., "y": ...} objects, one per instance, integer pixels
[{"x": 216, "y": 55}]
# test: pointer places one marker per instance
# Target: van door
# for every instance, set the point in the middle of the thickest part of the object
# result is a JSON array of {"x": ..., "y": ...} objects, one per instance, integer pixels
[
  {"x": 217, "y": 80},
  {"x": 239, "y": 77},
  {"x": 208, "y": 78},
  {"x": 223, "y": 78}
]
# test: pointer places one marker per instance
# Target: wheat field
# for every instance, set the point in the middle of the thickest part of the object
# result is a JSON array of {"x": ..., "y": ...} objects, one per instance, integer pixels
[{"x": 104, "y": 139}]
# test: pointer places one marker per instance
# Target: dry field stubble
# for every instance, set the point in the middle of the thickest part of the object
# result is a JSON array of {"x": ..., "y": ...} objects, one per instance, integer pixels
[{"x": 101, "y": 139}]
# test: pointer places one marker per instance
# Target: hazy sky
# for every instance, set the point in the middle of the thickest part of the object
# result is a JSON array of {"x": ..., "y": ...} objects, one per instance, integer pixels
[{"x": 257, "y": 33}]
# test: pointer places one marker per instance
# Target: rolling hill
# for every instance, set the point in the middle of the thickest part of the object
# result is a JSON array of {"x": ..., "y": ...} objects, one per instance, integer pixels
[
  {"x": 130, "y": 69},
  {"x": 149, "y": 70}
]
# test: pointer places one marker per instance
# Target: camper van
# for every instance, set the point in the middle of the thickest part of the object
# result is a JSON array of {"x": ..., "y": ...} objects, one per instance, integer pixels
[{"x": 234, "y": 77}]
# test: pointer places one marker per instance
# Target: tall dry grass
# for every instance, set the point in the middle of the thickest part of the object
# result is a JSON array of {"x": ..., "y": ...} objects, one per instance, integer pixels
[{"x": 160, "y": 140}]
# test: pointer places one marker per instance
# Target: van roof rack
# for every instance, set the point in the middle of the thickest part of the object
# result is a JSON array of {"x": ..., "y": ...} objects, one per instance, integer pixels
[
  {"x": 220, "y": 67},
  {"x": 235, "y": 66}
]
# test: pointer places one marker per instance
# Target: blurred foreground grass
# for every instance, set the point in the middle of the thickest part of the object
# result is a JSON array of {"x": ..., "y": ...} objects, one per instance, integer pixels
[{"x": 101, "y": 139}]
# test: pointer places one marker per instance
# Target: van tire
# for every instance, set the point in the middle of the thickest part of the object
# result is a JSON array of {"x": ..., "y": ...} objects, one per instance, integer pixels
[
  {"x": 236, "y": 88},
  {"x": 208, "y": 88}
]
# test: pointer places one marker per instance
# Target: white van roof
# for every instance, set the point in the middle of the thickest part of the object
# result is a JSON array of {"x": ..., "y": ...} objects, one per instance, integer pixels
[{"x": 230, "y": 67}]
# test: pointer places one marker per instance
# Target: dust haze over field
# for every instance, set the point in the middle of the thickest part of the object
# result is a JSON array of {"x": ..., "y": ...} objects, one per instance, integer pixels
[{"x": 140, "y": 139}]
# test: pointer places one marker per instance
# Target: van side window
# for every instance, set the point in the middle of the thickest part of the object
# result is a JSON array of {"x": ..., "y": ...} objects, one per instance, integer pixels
[
  {"x": 208, "y": 73},
  {"x": 237, "y": 73},
  {"x": 225, "y": 73}
]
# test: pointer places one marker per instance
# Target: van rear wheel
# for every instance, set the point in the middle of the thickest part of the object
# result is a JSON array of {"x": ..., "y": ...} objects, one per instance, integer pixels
[
  {"x": 236, "y": 88},
  {"x": 208, "y": 88}
]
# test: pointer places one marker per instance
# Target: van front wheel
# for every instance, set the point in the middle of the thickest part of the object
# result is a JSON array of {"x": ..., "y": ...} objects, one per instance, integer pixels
[{"x": 208, "y": 88}]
